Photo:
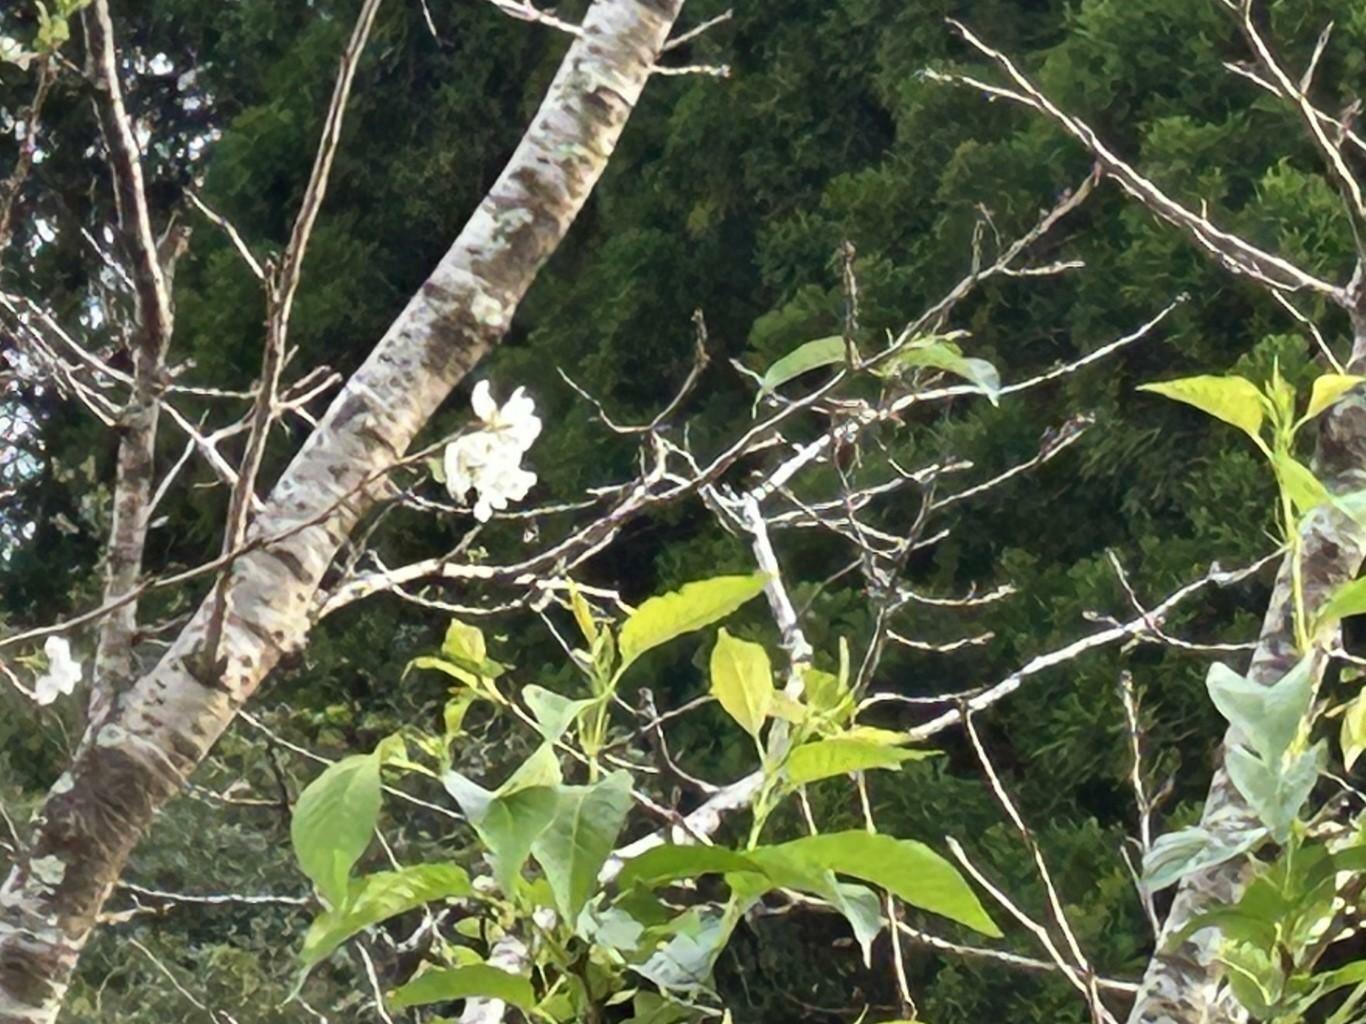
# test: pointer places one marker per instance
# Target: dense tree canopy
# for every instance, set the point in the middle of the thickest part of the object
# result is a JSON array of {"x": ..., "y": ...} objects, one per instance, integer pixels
[{"x": 731, "y": 196}]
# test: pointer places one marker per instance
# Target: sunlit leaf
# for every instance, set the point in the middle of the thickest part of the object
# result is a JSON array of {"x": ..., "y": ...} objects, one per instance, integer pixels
[
  {"x": 907, "y": 869},
  {"x": 840, "y": 756},
  {"x": 1328, "y": 388},
  {"x": 692, "y": 606},
  {"x": 742, "y": 681},
  {"x": 1234, "y": 400}
]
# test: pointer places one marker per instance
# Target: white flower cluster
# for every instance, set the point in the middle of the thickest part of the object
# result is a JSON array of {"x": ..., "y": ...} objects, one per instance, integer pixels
[
  {"x": 63, "y": 671},
  {"x": 489, "y": 461}
]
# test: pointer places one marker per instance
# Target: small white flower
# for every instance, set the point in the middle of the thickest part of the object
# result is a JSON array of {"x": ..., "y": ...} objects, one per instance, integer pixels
[
  {"x": 63, "y": 671},
  {"x": 489, "y": 460},
  {"x": 516, "y": 422}
]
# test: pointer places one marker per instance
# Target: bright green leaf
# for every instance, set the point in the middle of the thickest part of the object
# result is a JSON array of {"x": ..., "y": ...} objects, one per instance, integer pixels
[
  {"x": 478, "y": 981},
  {"x": 1352, "y": 736},
  {"x": 1303, "y": 487},
  {"x": 1234, "y": 400},
  {"x": 742, "y": 681},
  {"x": 333, "y": 821},
  {"x": 840, "y": 756},
  {"x": 694, "y": 605},
  {"x": 1328, "y": 388},
  {"x": 1350, "y": 599},
  {"x": 907, "y": 869}
]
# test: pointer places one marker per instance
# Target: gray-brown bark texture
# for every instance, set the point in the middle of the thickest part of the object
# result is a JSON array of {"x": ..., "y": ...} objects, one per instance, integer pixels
[
  {"x": 1182, "y": 984},
  {"x": 166, "y": 722}
]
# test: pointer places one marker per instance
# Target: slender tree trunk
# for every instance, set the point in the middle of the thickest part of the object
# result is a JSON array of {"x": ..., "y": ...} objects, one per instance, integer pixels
[
  {"x": 164, "y": 725},
  {"x": 1182, "y": 984}
]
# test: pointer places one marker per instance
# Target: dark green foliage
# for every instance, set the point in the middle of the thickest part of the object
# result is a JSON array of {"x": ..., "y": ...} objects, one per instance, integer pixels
[{"x": 732, "y": 197}]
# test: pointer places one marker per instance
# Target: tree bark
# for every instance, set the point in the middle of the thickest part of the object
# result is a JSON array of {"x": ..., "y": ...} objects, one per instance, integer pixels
[
  {"x": 1183, "y": 984},
  {"x": 165, "y": 723}
]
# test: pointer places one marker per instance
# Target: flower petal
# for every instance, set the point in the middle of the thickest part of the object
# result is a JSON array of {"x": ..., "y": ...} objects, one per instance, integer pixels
[{"x": 481, "y": 401}]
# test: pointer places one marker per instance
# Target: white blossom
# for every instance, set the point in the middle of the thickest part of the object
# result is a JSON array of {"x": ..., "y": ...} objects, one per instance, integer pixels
[
  {"x": 63, "y": 671},
  {"x": 488, "y": 461}
]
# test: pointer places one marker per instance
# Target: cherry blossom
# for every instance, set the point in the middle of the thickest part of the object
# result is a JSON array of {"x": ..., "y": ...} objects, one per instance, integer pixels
[
  {"x": 63, "y": 671},
  {"x": 488, "y": 461}
]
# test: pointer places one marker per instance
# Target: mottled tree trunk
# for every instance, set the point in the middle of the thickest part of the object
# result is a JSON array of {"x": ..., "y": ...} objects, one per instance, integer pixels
[
  {"x": 1182, "y": 984},
  {"x": 165, "y": 723}
]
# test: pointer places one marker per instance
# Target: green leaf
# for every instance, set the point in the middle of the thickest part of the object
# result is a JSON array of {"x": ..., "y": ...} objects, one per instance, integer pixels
[
  {"x": 694, "y": 605},
  {"x": 667, "y": 863},
  {"x": 1352, "y": 736},
  {"x": 810, "y": 356},
  {"x": 379, "y": 897},
  {"x": 464, "y": 642},
  {"x": 944, "y": 355},
  {"x": 1274, "y": 791},
  {"x": 553, "y": 712},
  {"x": 840, "y": 756},
  {"x": 508, "y": 825},
  {"x": 742, "y": 681},
  {"x": 1268, "y": 716},
  {"x": 1234, "y": 400},
  {"x": 1328, "y": 388},
  {"x": 907, "y": 869},
  {"x": 1177, "y": 854},
  {"x": 580, "y": 837},
  {"x": 1302, "y": 486},
  {"x": 477, "y": 981},
  {"x": 333, "y": 821},
  {"x": 1349, "y": 600}
]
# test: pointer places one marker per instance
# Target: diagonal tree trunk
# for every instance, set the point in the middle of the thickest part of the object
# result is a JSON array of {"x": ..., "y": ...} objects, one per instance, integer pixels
[
  {"x": 1182, "y": 984},
  {"x": 165, "y": 723}
]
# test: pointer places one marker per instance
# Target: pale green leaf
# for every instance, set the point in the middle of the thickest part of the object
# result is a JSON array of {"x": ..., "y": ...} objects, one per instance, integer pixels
[
  {"x": 580, "y": 837},
  {"x": 1302, "y": 486},
  {"x": 804, "y": 358},
  {"x": 1180, "y": 853},
  {"x": 1350, "y": 599},
  {"x": 1352, "y": 736},
  {"x": 377, "y": 898},
  {"x": 944, "y": 355},
  {"x": 907, "y": 869},
  {"x": 554, "y": 713},
  {"x": 1274, "y": 791},
  {"x": 1234, "y": 400},
  {"x": 477, "y": 981},
  {"x": 692, "y": 606},
  {"x": 465, "y": 642},
  {"x": 1328, "y": 388},
  {"x": 507, "y": 823},
  {"x": 1267, "y": 716},
  {"x": 742, "y": 681},
  {"x": 333, "y": 821},
  {"x": 840, "y": 756}
]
